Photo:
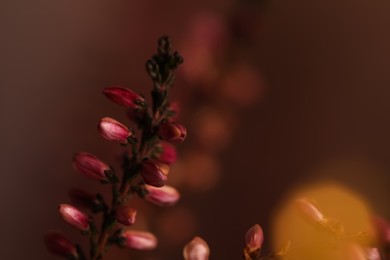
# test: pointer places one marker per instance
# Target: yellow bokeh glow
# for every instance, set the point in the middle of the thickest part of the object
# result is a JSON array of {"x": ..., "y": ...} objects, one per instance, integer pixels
[{"x": 311, "y": 242}]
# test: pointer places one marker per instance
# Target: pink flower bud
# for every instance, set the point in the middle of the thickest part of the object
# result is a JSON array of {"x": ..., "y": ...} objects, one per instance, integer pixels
[
  {"x": 126, "y": 215},
  {"x": 172, "y": 132},
  {"x": 154, "y": 173},
  {"x": 254, "y": 238},
  {"x": 59, "y": 245},
  {"x": 168, "y": 154},
  {"x": 124, "y": 97},
  {"x": 90, "y": 166},
  {"x": 139, "y": 240},
  {"x": 164, "y": 196},
  {"x": 82, "y": 198},
  {"x": 74, "y": 217},
  {"x": 112, "y": 130},
  {"x": 196, "y": 249},
  {"x": 310, "y": 211}
]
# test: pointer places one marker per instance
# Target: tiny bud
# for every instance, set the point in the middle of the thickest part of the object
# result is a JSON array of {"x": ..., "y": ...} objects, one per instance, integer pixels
[
  {"x": 196, "y": 249},
  {"x": 172, "y": 132},
  {"x": 164, "y": 196},
  {"x": 59, "y": 245},
  {"x": 310, "y": 211},
  {"x": 74, "y": 217},
  {"x": 164, "y": 45},
  {"x": 254, "y": 239},
  {"x": 83, "y": 198},
  {"x": 139, "y": 240},
  {"x": 126, "y": 215},
  {"x": 124, "y": 97},
  {"x": 112, "y": 130},
  {"x": 154, "y": 173},
  {"x": 168, "y": 153},
  {"x": 90, "y": 166}
]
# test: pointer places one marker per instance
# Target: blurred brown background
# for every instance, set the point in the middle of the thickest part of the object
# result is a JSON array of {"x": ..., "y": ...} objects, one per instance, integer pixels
[{"x": 324, "y": 114}]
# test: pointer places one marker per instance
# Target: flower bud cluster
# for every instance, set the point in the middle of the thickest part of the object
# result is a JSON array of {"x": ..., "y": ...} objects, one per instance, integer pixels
[
  {"x": 145, "y": 166},
  {"x": 145, "y": 170}
]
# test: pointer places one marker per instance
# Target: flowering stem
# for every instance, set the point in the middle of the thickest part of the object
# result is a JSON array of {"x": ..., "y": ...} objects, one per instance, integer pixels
[
  {"x": 131, "y": 169},
  {"x": 134, "y": 165}
]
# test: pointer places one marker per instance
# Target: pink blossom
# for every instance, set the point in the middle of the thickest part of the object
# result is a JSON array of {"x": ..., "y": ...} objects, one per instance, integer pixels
[
  {"x": 124, "y": 97},
  {"x": 254, "y": 238},
  {"x": 164, "y": 196},
  {"x": 90, "y": 166},
  {"x": 126, "y": 215},
  {"x": 196, "y": 249},
  {"x": 112, "y": 130},
  {"x": 154, "y": 173},
  {"x": 172, "y": 132},
  {"x": 60, "y": 245},
  {"x": 74, "y": 217},
  {"x": 139, "y": 240},
  {"x": 168, "y": 154}
]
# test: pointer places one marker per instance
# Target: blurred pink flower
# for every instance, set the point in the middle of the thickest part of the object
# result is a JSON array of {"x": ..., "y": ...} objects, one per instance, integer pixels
[
  {"x": 74, "y": 217},
  {"x": 154, "y": 173},
  {"x": 168, "y": 154},
  {"x": 90, "y": 166},
  {"x": 139, "y": 240},
  {"x": 112, "y": 130},
  {"x": 124, "y": 97},
  {"x": 196, "y": 249},
  {"x": 126, "y": 215},
  {"x": 254, "y": 238},
  {"x": 60, "y": 245},
  {"x": 163, "y": 196},
  {"x": 172, "y": 132}
]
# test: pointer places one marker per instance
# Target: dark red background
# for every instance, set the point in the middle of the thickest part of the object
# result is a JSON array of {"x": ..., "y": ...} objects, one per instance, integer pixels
[{"x": 327, "y": 70}]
